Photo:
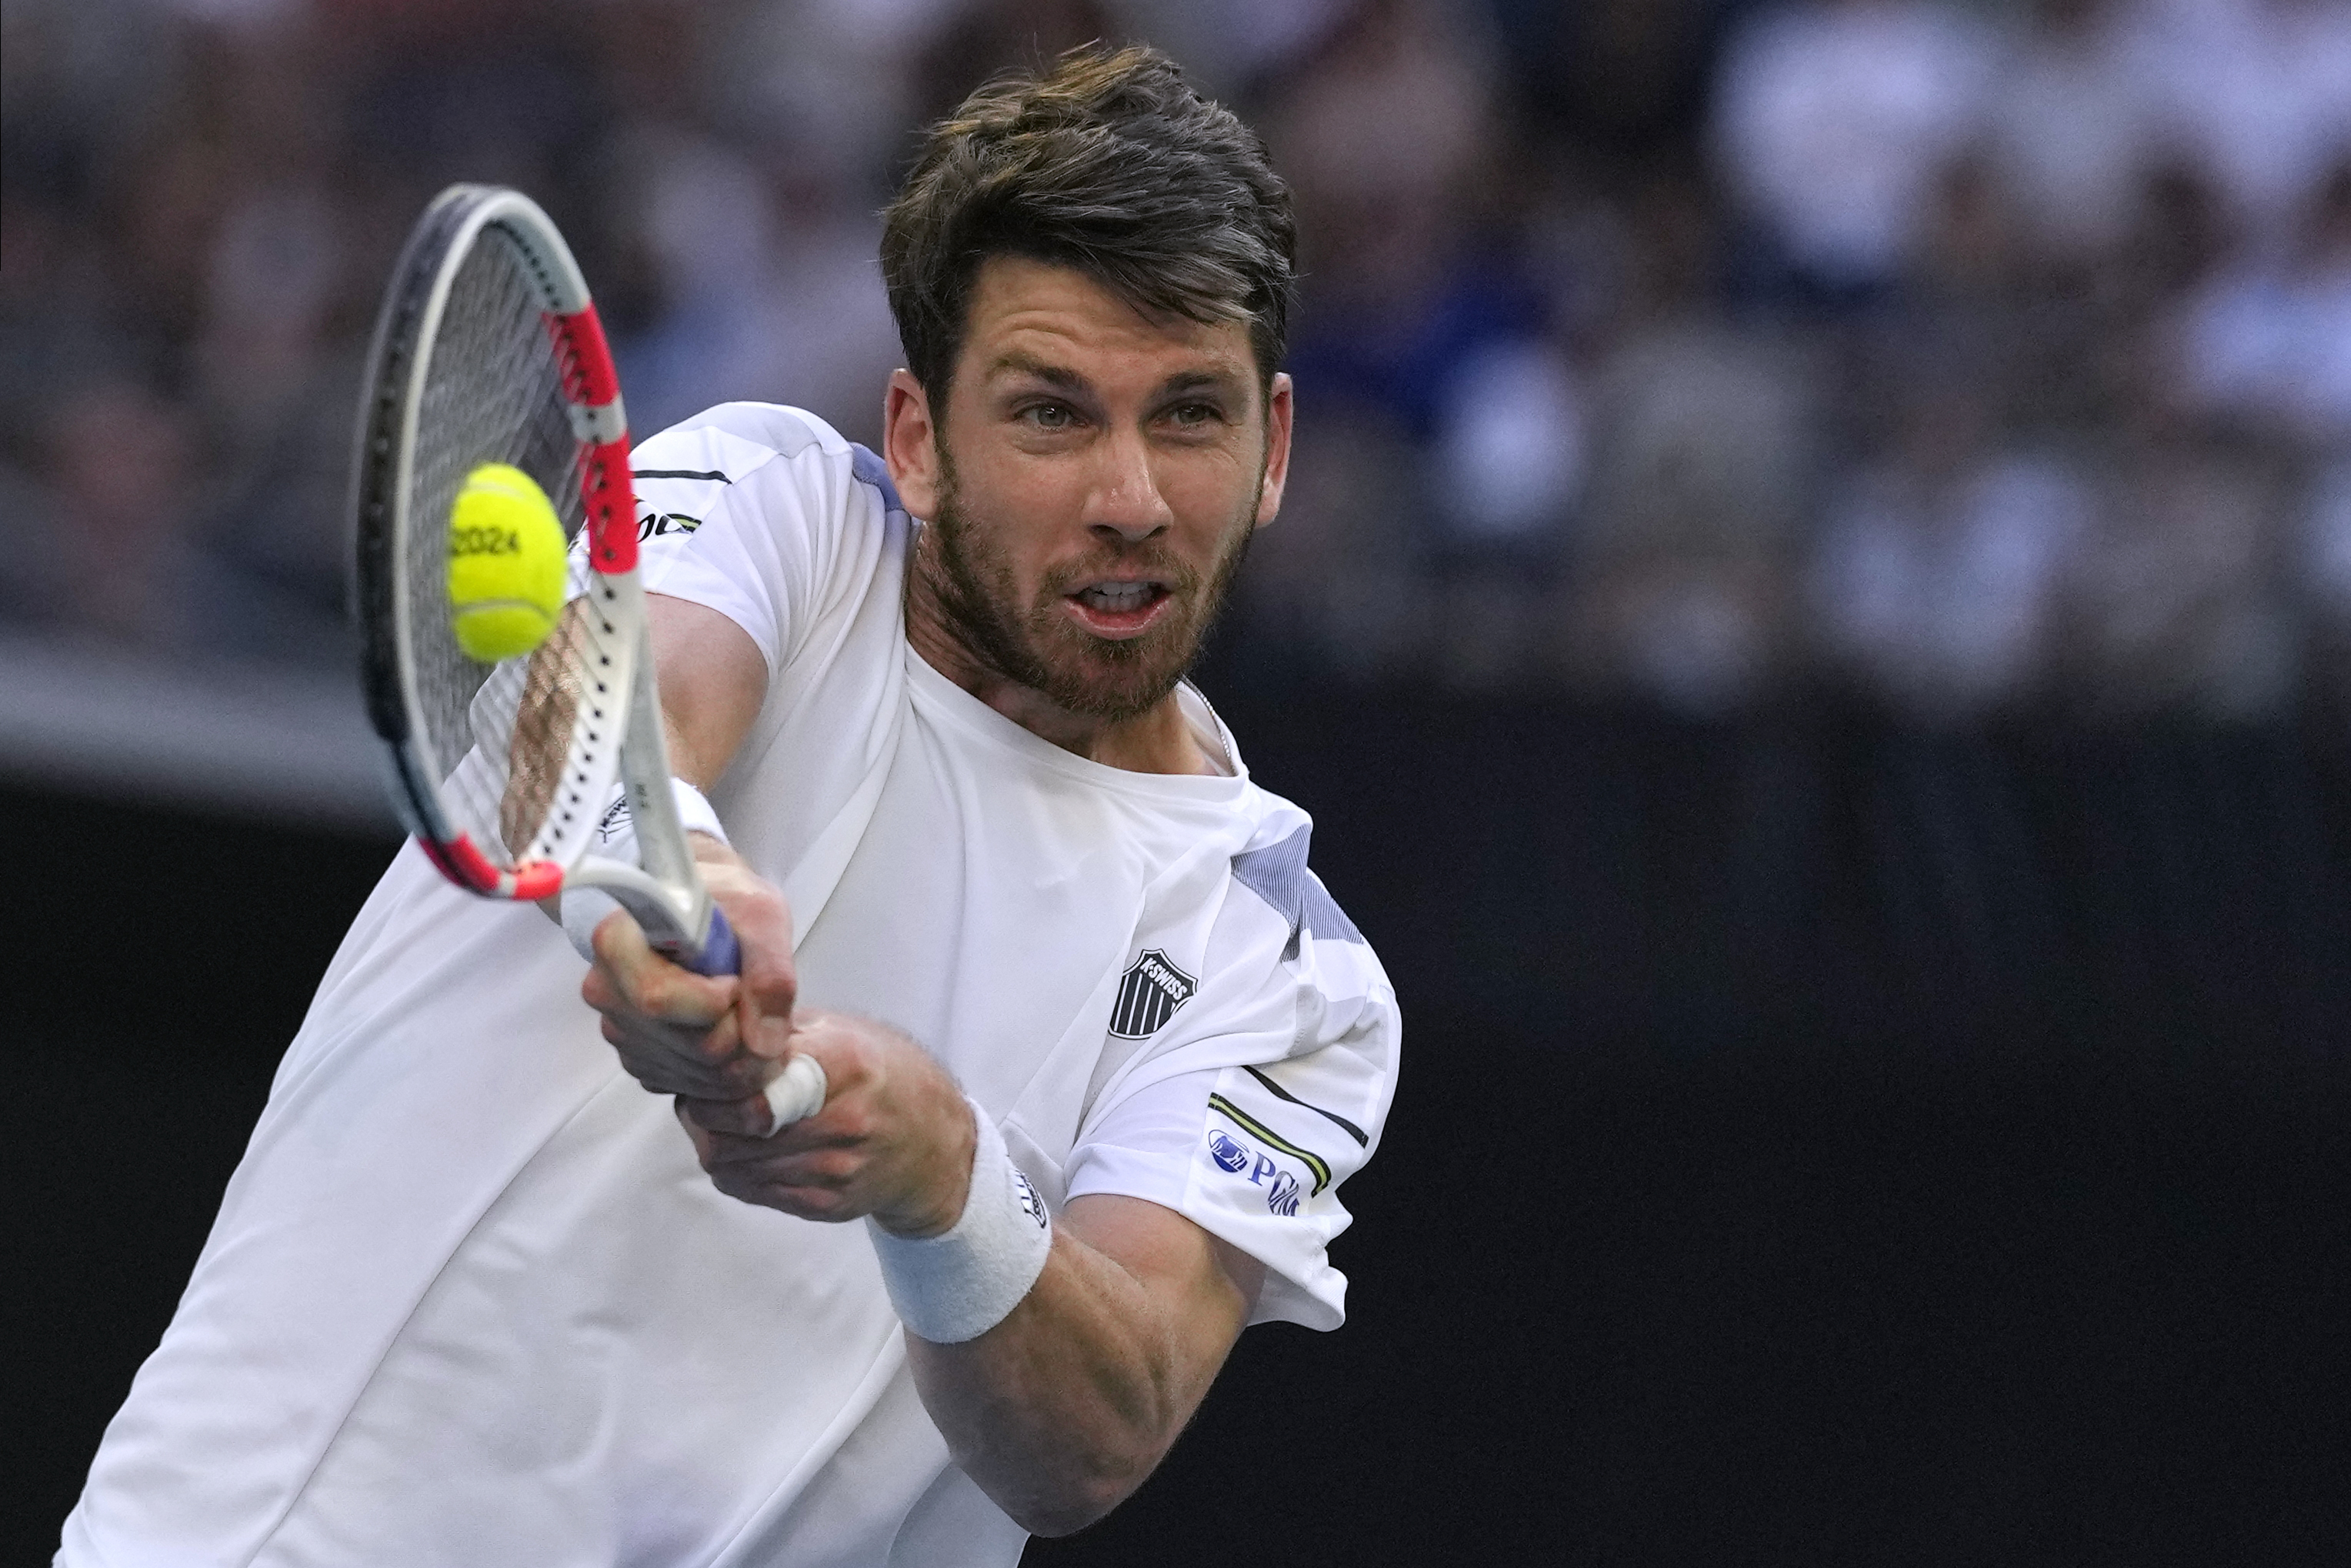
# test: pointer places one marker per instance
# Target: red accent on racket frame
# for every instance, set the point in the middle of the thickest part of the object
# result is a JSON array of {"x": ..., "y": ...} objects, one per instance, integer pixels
[
  {"x": 584, "y": 361},
  {"x": 589, "y": 377},
  {"x": 461, "y": 862},
  {"x": 610, "y": 503}
]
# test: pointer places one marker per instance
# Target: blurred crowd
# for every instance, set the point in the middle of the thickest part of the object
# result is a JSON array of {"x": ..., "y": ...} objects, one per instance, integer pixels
[{"x": 1976, "y": 359}]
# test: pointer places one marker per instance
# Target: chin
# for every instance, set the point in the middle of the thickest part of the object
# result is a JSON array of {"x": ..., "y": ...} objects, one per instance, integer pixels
[{"x": 1115, "y": 680}]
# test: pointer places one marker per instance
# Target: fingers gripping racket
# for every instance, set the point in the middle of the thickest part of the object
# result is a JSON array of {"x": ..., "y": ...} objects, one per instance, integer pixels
[{"x": 488, "y": 350}]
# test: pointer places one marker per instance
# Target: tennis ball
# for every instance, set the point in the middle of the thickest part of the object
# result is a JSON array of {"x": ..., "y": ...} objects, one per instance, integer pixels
[{"x": 506, "y": 564}]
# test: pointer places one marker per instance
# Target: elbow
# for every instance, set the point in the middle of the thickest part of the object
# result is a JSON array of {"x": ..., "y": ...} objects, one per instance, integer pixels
[
  {"x": 1069, "y": 1510},
  {"x": 1057, "y": 1524},
  {"x": 1072, "y": 1501}
]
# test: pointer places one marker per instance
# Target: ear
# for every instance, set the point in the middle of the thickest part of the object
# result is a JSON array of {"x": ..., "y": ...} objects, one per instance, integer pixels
[
  {"x": 910, "y": 445},
  {"x": 1278, "y": 410}
]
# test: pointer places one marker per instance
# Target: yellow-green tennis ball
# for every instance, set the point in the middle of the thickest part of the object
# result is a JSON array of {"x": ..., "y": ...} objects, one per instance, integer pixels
[{"x": 506, "y": 564}]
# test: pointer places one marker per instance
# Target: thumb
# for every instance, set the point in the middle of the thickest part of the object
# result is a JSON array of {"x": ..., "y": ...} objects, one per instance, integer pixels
[
  {"x": 763, "y": 929},
  {"x": 770, "y": 987}
]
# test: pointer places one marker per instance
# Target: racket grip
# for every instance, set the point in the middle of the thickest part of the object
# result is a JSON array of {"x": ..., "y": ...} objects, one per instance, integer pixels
[{"x": 721, "y": 953}]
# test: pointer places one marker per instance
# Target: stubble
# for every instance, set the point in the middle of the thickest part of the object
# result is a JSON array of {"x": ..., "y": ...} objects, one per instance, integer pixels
[{"x": 1037, "y": 645}]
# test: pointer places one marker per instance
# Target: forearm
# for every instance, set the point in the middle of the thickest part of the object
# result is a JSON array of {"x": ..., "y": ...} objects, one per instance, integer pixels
[
  {"x": 1059, "y": 1359},
  {"x": 1065, "y": 1407}
]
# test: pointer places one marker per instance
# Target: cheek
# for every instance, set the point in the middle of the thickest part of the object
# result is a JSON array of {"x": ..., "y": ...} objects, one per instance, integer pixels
[
  {"x": 1035, "y": 520},
  {"x": 1003, "y": 548},
  {"x": 1026, "y": 497},
  {"x": 1206, "y": 493}
]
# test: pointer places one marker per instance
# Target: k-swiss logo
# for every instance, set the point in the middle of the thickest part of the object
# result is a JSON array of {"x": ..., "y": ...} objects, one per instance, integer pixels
[
  {"x": 1148, "y": 995},
  {"x": 1030, "y": 1204}
]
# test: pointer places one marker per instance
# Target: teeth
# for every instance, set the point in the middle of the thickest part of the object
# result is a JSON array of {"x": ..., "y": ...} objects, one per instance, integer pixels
[{"x": 1118, "y": 596}]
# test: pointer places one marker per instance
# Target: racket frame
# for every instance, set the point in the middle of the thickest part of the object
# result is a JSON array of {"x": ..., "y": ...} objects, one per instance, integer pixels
[{"x": 617, "y": 730}]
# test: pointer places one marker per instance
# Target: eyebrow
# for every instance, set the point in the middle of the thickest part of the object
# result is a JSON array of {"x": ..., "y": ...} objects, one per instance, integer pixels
[
  {"x": 1069, "y": 380},
  {"x": 1199, "y": 381},
  {"x": 1043, "y": 370}
]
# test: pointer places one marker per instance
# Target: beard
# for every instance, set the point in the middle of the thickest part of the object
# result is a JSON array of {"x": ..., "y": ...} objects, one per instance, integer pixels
[{"x": 1037, "y": 645}]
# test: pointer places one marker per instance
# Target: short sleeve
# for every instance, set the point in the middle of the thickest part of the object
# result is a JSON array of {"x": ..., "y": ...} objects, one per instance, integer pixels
[
  {"x": 745, "y": 508},
  {"x": 1249, "y": 1130}
]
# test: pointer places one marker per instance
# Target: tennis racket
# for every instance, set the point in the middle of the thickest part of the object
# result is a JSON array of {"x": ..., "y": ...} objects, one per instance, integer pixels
[{"x": 488, "y": 350}]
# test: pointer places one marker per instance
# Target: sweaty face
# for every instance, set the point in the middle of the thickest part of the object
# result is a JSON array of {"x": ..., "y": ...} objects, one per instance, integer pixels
[{"x": 1098, "y": 476}]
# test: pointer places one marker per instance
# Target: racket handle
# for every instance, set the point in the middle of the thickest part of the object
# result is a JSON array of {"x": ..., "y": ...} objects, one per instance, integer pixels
[{"x": 721, "y": 953}]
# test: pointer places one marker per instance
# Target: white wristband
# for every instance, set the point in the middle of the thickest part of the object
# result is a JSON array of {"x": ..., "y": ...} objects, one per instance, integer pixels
[
  {"x": 959, "y": 1285},
  {"x": 584, "y": 908},
  {"x": 694, "y": 812}
]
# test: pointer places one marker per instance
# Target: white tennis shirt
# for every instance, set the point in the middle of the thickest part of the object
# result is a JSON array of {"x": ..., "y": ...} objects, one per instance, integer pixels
[{"x": 469, "y": 1298}]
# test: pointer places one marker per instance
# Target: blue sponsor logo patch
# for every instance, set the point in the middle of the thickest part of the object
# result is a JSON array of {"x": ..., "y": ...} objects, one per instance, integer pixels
[
  {"x": 1227, "y": 1153},
  {"x": 1283, "y": 1196}
]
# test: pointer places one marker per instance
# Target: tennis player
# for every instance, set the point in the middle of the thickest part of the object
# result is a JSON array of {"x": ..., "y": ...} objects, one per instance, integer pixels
[{"x": 1100, "y": 1047}]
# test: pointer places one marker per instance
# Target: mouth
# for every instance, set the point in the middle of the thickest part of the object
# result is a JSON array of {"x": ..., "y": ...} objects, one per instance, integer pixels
[{"x": 1118, "y": 610}]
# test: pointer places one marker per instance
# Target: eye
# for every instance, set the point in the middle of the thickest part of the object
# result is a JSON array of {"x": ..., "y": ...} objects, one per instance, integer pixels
[
  {"x": 1050, "y": 415},
  {"x": 1193, "y": 415}
]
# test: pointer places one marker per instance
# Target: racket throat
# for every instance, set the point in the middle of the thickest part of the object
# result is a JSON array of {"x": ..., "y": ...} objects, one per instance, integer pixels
[{"x": 674, "y": 919}]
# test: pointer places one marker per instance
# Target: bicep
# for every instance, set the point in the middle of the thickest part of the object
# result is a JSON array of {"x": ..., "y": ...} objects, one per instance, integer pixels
[{"x": 713, "y": 680}]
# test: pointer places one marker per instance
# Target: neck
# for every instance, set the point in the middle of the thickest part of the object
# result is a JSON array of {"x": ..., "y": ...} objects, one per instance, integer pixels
[{"x": 1157, "y": 740}]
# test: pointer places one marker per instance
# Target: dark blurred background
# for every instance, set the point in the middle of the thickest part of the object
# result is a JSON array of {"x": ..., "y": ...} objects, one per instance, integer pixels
[{"x": 1814, "y": 618}]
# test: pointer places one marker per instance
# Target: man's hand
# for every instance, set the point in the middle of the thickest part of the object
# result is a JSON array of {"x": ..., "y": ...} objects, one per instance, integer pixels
[
  {"x": 706, "y": 1037},
  {"x": 895, "y": 1138}
]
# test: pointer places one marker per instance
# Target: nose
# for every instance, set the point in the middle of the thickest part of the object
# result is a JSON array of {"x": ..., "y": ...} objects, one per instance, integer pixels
[{"x": 1126, "y": 499}]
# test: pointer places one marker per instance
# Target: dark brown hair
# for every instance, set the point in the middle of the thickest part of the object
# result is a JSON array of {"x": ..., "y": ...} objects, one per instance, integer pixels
[{"x": 1112, "y": 164}]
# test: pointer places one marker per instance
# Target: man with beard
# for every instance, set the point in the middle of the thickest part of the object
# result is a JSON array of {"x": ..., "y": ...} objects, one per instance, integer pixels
[{"x": 1100, "y": 1048}]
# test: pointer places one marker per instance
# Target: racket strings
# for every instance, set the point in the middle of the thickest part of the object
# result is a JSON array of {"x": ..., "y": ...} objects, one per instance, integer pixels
[
  {"x": 567, "y": 699},
  {"x": 500, "y": 736}
]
